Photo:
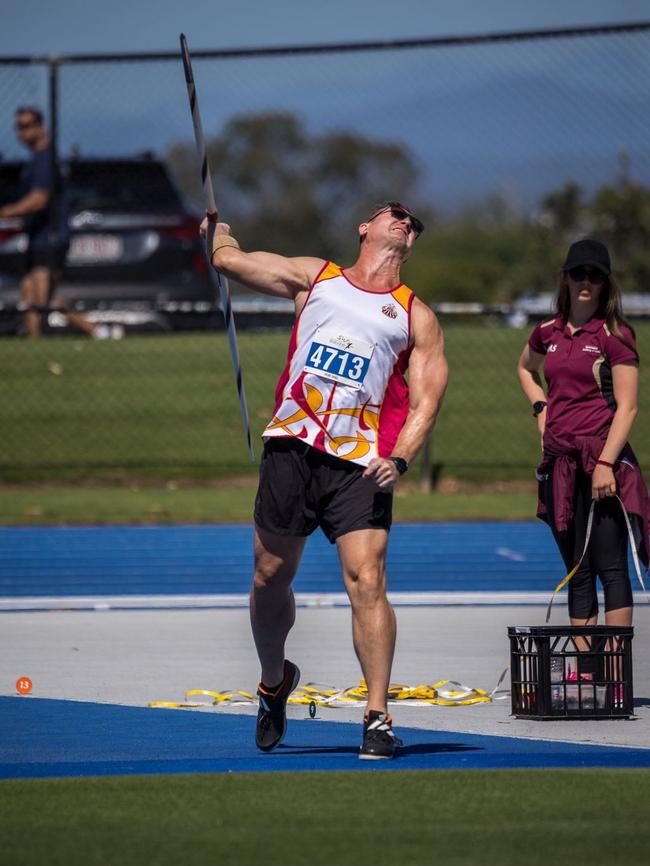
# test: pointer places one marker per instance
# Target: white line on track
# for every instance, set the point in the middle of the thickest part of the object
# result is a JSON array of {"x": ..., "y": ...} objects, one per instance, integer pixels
[{"x": 236, "y": 600}]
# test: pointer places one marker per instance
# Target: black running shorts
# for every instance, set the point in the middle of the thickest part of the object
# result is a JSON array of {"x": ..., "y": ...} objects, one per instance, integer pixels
[
  {"x": 302, "y": 488},
  {"x": 44, "y": 257}
]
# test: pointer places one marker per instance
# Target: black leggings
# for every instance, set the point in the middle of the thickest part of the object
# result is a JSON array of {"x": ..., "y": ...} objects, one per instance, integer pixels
[{"x": 606, "y": 556}]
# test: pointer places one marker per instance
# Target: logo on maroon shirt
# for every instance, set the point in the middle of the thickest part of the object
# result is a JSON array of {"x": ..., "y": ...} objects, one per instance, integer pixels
[
  {"x": 552, "y": 347},
  {"x": 390, "y": 311}
]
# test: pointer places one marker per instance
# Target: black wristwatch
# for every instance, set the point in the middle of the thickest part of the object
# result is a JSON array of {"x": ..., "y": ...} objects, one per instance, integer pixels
[
  {"x": 538, "y": 407},
  {"x": 400, "y": 464}
]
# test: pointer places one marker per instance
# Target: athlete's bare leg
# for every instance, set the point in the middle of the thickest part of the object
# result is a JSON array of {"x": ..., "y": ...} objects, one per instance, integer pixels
[
  {"x": 583, "y": 645},
  {"x": 272, "y": 605},
  {"x": 363, "y": 557},
  {"x": 34, "y": 291},
  {"x": 36, "y": 288},
  {"x": 77, "y": 320},
  {"x": 620, "y": 616}
]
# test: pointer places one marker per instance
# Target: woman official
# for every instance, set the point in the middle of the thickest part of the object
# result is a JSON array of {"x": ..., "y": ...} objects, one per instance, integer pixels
[{"x": 591, "y": 367}]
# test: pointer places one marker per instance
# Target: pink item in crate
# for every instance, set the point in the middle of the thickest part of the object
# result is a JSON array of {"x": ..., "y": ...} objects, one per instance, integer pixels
[{"x": 572, "y": 676}]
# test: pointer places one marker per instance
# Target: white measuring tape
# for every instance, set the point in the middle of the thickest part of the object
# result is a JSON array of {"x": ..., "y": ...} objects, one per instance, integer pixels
[
  {"x": 444, "y": 693},
  {"x": 590, "y": 522}
]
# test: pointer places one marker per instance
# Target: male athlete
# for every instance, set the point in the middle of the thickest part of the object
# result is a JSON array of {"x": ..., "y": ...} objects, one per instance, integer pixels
[
  {"x": 46, "y": 250},
  {"x": 345, "y": 427}
]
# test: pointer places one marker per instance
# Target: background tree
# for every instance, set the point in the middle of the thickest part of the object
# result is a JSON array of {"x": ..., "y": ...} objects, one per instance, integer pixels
[
  {"x": 301, "y": 193},
  {"x": 294, "y": 192}
]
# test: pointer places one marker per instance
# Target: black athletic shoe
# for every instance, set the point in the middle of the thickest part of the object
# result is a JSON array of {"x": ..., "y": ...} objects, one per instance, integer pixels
[
  {"x": 379, "y": 740},
  {"x": 272, "y": 715}
]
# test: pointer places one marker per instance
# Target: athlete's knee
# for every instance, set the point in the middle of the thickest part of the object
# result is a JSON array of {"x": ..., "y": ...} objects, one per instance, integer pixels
[
  {"x": 27, "y": 288},
  {"x": 366, "y": 584},
  {"x": 272, "y": 573},
  {"x": 39, "y": 286}
]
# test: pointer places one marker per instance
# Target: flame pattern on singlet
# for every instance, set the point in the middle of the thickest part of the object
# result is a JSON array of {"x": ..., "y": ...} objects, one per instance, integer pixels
[{"x": 351, "y": 423}]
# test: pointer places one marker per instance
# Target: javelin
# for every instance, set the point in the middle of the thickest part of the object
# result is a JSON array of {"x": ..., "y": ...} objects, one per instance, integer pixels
[{"x": 222, "y": 282}]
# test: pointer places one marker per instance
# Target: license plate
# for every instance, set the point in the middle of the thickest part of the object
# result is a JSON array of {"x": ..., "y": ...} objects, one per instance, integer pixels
[{"x": 88, "y": 249}]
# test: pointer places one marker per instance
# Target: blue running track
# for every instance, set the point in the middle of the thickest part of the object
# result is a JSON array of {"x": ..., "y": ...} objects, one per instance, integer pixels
[
  {"x": 183, "y": 560},
  {"x": 46, "y": 738}
]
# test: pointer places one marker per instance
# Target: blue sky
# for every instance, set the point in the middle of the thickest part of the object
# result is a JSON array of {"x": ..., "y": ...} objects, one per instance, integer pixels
[
  {"x": 517, "y": 119},
  {"x": 76, "y": 26}
]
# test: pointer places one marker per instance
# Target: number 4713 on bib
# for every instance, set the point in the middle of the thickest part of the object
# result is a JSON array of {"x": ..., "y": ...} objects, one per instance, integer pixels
[{"x": 341, "y": 359}]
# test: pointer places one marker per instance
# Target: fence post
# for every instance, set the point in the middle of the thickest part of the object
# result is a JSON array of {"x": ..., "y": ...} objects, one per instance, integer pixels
[{"x": 53, "y": 207}]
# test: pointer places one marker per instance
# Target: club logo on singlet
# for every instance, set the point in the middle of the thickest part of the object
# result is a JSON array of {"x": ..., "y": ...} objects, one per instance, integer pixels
[{"x": 390, "y": 311}]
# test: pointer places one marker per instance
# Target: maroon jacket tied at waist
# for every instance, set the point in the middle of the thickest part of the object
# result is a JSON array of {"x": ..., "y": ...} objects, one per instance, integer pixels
[{"x": 565, "y": 455}]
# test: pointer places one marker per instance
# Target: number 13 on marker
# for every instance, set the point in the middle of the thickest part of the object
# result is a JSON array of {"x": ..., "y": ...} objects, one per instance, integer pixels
[{"x": 339, "y": 358}]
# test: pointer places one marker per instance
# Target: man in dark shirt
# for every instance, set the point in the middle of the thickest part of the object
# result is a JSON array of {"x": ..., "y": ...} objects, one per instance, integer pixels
[{"x": 48, "y": 233}]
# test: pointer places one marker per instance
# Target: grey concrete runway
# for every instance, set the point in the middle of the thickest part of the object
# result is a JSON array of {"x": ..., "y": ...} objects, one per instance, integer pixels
[{"x": 133, "y": 657}]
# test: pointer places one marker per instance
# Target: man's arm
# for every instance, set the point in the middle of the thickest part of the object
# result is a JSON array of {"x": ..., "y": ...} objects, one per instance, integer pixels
[
  {"x": 263, "y": 272},
  {"x": 35, "y": 201},
  {"x": 428, "y": 374}
]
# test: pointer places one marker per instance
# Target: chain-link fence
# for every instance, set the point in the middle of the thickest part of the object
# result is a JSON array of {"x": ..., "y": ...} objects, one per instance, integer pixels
[{"x": 510, "y": 146}]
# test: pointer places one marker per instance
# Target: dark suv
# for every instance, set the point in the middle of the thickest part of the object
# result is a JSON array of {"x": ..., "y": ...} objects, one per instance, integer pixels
[{"x": 135, "y": 253}]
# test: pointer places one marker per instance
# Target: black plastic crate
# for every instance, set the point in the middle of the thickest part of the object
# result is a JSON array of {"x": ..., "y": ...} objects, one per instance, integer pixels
[{"x": 571, "y": 672}]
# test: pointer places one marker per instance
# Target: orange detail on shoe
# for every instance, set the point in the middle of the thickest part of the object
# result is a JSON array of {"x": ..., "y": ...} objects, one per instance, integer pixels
[{"x": 270, "y": 692}]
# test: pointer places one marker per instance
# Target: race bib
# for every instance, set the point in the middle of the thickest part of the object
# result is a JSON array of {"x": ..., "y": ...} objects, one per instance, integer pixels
[{"x": 339, "y": 358}]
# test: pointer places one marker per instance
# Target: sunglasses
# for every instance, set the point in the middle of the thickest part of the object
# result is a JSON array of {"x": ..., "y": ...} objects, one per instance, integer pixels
[
  {"x": 579, "y": 275},
  {"x": 25, "y": 124},
  {"x": 398, "y": 212}
]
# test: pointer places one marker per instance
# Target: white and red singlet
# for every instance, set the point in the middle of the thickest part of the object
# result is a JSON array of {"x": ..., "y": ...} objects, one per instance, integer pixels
[{"x": 343, "y": 389}]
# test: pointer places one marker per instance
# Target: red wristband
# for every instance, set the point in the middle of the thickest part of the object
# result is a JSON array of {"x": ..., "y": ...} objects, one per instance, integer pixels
[{"x": 604, "y": 463}]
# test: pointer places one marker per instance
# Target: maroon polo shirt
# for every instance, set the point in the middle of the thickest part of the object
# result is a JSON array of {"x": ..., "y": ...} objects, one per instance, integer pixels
[{"x": 578, "y": 373}]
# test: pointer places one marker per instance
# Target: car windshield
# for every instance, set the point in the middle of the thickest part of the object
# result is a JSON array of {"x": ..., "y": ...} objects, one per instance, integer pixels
[{"x": 126, "y": 185}]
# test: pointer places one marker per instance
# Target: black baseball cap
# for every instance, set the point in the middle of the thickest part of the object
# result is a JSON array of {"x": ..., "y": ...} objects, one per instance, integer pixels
[
  {"x": 588, "y": 252},
  {"x": 383, "y": 206}
]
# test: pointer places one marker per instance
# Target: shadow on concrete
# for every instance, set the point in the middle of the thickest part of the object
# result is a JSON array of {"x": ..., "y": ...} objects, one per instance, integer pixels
[{"x": 406, "y": 751}]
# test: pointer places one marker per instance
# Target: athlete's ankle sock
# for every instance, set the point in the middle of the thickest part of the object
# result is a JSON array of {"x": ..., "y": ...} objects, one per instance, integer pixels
[{"x": 271, "y": 689}]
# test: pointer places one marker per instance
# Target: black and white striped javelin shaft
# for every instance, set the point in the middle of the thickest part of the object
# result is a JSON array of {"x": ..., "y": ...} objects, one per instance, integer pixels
[{"x": 211, "y": 207}]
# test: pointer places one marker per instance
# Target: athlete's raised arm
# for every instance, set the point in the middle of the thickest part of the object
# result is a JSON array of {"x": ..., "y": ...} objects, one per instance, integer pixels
[{"x": 268, "y": 273}]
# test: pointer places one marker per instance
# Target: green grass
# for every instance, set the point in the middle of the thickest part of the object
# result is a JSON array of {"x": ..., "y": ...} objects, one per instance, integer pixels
[
  {"x": 223, "y": 504},
  {"x": 492, "y": 818},
  {"x": 165, "y": 406},
  {"x": 162, "y": 406}
]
